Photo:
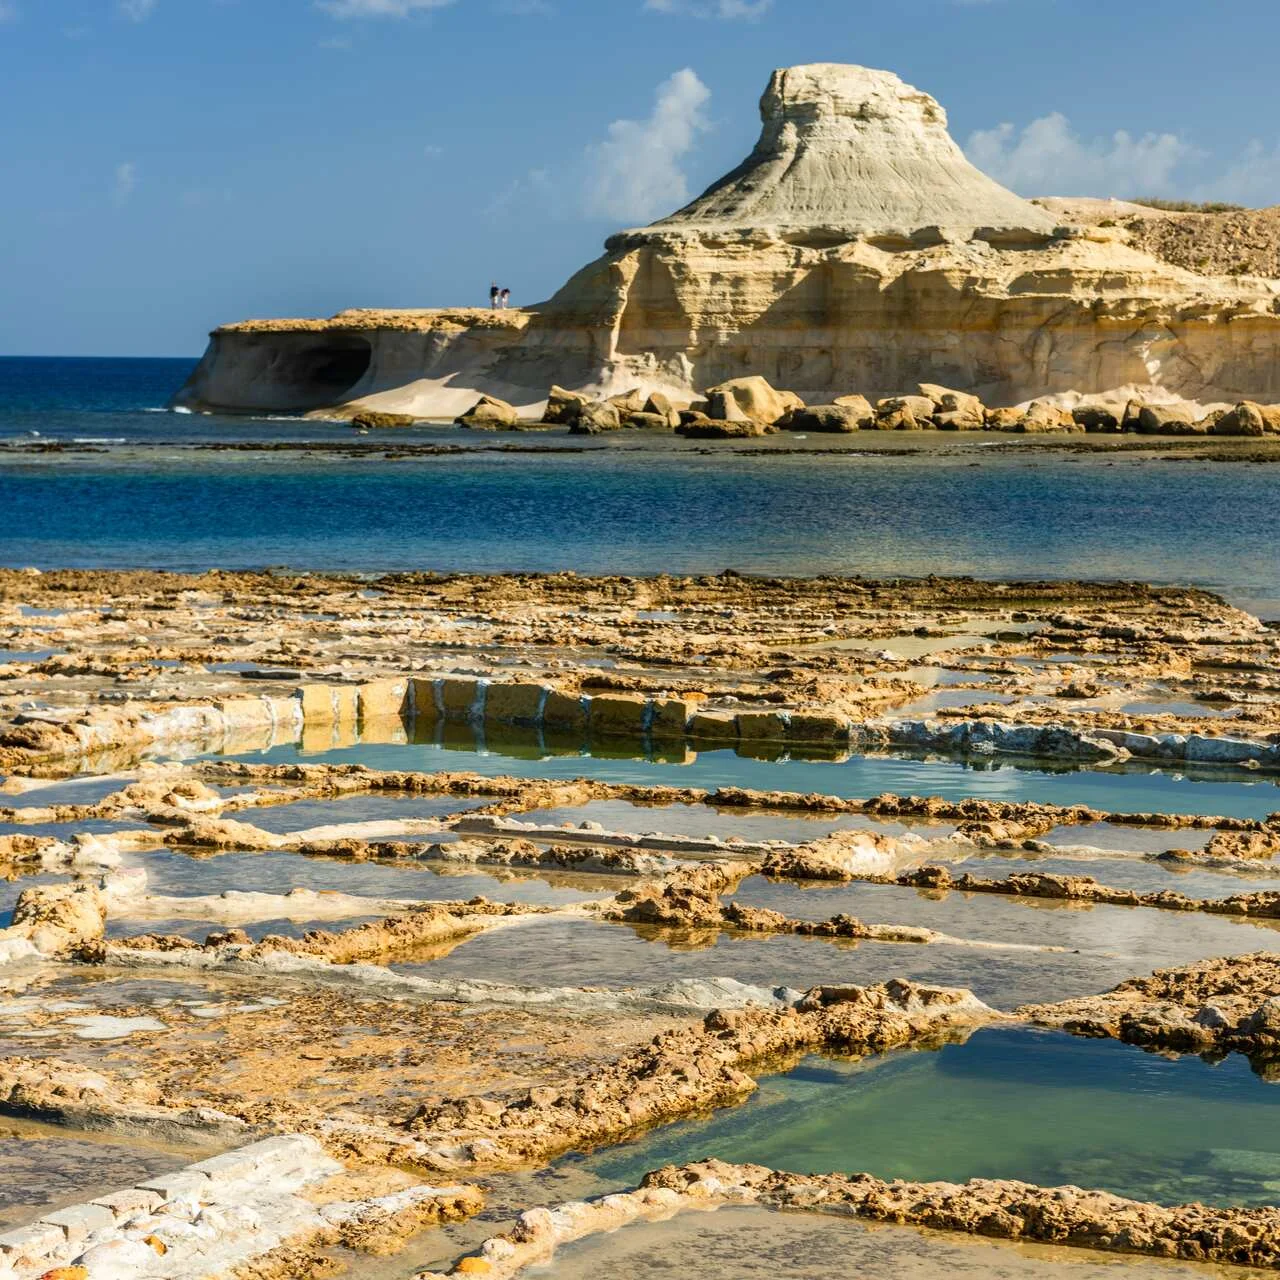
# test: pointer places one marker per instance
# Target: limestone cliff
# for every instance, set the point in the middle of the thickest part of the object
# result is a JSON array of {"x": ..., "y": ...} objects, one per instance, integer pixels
[{"x": 855, "y": 250}]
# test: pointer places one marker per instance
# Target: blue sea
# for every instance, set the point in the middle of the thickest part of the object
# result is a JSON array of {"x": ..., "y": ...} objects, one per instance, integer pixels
[{"x": 94, "y": 472}]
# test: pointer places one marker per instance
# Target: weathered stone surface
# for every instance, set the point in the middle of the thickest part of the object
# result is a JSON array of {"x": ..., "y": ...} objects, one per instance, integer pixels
[
  {"x": 713, "y": 429},
  {"x": 489, "y": 412},
  {"x": 861, "y": 407},
  {"x": 751, "y": 399},
  {"x": 1244, "y": 420},
  {"x": 514, "y": 703},
  {"x": 648, "y": 422},
  {"x": 1162, "y": 420},
  {"x": 663, "y": 406},
  {"x": 1096, "y": 418},
  {"x": 618, "y": 713},
  {"x": 562, "y": 406},
  {"x": 371, "y": 419},
  {"x": 823, "y": 418},
  {"x": 593, "y": 417}
]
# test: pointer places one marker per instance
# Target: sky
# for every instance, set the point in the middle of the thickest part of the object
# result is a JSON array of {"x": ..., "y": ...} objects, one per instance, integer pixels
[{"x": 170, "y": 165}]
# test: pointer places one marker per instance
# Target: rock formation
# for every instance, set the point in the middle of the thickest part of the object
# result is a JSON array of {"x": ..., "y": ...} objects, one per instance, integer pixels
[{"x": 854, "y": 251}]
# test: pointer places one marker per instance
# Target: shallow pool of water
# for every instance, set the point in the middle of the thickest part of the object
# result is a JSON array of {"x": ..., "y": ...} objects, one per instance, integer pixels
[
  {"x": 756, "y": 1244},
  {"x": 589, "y": 953},
  {"x": 45, "y": 1167},
  {"x": 1119, "y": 873},
  {"x": 705, "y": 820},
  {"x": 86, "y": 789},
  {"x": 1042, "y": 1107},
  {"x": 1141, "y": 937},
  {"x": 1129, "y": 789},
  {"x": 179, "y": 874},
  {"x": 302, "y": 815}
]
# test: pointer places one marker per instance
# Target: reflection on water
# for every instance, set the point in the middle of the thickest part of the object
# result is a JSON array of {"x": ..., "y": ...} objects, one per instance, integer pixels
[
  {"x": 1041, "y": 1107},
  {"x": 1128, "y": 788}
]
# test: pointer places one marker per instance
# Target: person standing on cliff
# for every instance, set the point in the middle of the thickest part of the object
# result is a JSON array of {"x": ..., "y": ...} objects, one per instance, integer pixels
[
  {"x": 506, "y": 298},
  {"x": 493, "y": 296}
]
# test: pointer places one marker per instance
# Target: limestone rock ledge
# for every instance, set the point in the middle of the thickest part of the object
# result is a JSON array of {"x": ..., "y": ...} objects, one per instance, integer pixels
[{"x": 855, "y": 250}]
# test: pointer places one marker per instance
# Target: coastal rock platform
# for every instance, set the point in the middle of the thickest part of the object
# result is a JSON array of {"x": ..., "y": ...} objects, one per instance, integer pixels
[{"x": 854, "y": 252}]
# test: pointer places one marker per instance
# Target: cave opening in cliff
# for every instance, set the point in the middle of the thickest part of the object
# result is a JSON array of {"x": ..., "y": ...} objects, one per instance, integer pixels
[{"x": 323, "y": 370}]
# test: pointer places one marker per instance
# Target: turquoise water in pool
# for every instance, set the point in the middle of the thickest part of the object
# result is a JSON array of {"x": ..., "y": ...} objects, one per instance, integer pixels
[{"x": 1010, "y": 1103}]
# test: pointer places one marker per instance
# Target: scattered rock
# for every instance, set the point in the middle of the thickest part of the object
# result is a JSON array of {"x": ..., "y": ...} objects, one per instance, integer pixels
[
  {"x": 562, "y": 406},
  {"x": 822, "y": 418},
  {"x": 593, "y": 418},
  {"x": 487, "y": 414},
  {"x": 752, "y": 399},
  {"x": 372, "y": 418}
]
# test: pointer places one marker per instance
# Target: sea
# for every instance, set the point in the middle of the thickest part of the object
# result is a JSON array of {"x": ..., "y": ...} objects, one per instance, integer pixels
[{"x": 96, "y": 472}]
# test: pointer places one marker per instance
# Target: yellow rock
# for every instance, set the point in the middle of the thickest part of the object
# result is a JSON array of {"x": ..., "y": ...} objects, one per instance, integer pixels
[
  {"x": 474, "y": 1267},
  {"x": 670, "y": 717},
  {"x": 618, "y": 713},
  {"x": 803, "y": 726},
  {"x": 514, "y": 703},
  {"x": 564, "y": 711},
  {"x": 380, "y": 699},
  {"x": 157, "y": 1244},
  {"x": 761, "y": 726},
  {"x": 717, "y": 725}
]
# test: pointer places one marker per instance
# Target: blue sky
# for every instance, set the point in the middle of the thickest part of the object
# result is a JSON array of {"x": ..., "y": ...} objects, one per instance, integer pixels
[{"x": 172, "y": 164}]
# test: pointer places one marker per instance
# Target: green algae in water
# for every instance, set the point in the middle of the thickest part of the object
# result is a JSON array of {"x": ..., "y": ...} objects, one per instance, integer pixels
[{"x": 1042, "y": 1107}]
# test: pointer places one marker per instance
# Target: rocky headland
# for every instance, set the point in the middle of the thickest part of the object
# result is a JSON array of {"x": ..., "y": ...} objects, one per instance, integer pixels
[{"x": 852, "y": 257}]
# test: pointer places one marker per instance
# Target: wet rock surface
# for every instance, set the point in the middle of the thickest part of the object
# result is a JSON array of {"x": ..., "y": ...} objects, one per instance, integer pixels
[{"x": 228, "y": 925}]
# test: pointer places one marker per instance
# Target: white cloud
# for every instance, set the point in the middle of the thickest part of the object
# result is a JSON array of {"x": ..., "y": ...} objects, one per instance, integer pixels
[
  {"x": 126, "y": 179},
  {"x": 137, "y": 10},
  {"x": 635, "y": 175},
  {"x": 1048, "y": 158},
  {"x": 730, "y": 9},
  {"x": 378, "y": 8},
  {"x": 1253, "y": 179}
]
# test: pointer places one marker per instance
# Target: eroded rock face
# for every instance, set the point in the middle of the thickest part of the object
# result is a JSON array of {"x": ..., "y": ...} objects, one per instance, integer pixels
[{"x": 854, "y": 250}]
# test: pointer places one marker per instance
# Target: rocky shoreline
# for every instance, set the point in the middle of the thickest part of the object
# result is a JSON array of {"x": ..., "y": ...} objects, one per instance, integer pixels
[{"x": 244, "y": 951}]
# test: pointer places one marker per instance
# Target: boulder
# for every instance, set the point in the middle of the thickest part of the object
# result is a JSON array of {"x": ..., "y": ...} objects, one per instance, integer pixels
[
  {"x": 903, "y": 413},
  {"x": 718, "y": 429},
  {"x": 662, "y": 406},
  {"x": 373, "y": 419},
  {"x": 954, "y": 410},
  {"x": 631, "y": 402},
  {"x": 489, "y": 413},
  {"x": 692, "y": 417},
  {"x": 594, "y": 417},
  {"x": 751, "y": 399},
  {"x": 1156, "y": 420},
  {"x": 822, "y": 418},
  {"x": 1003, "y": 419},
  {"x": 1040, "y": 416},
  {"x": 1132, "y": 412},
  {"x": 1244, "y": 420},
  {"x": 1095, "y": 418},
  {"x": 649, "y": 421},
  {"x": 860, "y": 405},
  {"x": 562, "y": 406},
  {"x": 959, "y": 420}
]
